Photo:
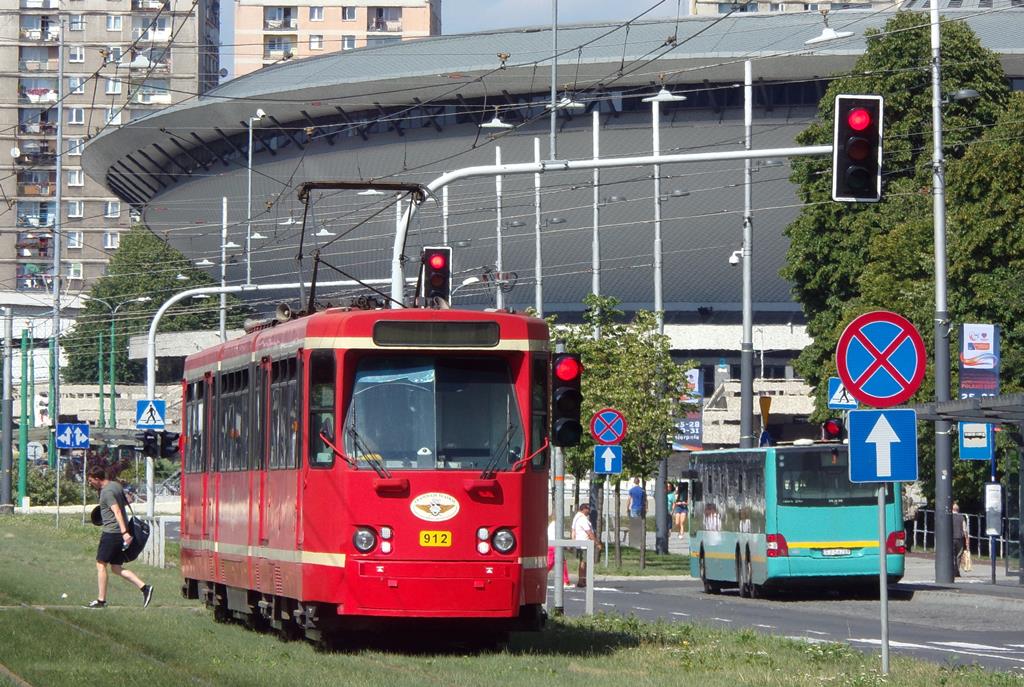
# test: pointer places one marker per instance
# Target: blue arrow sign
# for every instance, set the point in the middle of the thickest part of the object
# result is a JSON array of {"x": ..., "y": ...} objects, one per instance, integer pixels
[
  {"x": 883, "y": 445},
  {"x": 150, "y": 414},
  {"x": 608, "y": 460},
  {"x": 72, "y": 435},
  {"x": 838, "y": 397},
  {"x": 976, "y": 441}
]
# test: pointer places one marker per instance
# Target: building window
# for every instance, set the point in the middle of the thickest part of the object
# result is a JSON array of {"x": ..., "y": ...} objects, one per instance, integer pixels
[
  {"x": 75, "y": 146},
  {"x": 316, "y": 13},
  {"x": 113, "y": 115},
  {"x": 348, "y": 13},
  {"x": 113, "y": 22},
  {"x": 810, "y": 7},
  {"x": 76, "y": 208},
  {"x": 776, "y": 7},
  {"x": 76, "y": 84},
  {"x": 111, "y": 240},
  {"x": 348, "y": 42},
  {"x": 727, "y": 7},
  {"x": 316, "y": 42},
  {"x": 113, "y": 86},
  {"x": 112, "y": 208},
  {"x": 75, "y": 177},
  {"x": 74, "y": 239},
  {"x": 74, "y": 270},
  {"x": 114, "y": 54},
  {"x": 76, "y": 115},
  {"x": 76, "y": 22},
  {"x": 76, "y": 53}
]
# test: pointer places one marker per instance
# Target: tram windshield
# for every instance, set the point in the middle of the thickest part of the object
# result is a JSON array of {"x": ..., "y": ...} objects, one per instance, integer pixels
[{"x": 433, "y": 413}]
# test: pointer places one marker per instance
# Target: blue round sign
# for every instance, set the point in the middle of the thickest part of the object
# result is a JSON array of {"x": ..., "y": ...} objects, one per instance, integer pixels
[
  {"x": 881, "y": 359},
  {"x": 608, "y": 426}
]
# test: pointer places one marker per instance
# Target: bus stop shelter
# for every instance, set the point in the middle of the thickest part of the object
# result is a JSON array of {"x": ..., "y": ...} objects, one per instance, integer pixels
[{"x": 1004, "y": 409}]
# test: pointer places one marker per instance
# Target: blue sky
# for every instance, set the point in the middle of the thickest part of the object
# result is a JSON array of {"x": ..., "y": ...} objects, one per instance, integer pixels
[{"x": 464, "y": 16}]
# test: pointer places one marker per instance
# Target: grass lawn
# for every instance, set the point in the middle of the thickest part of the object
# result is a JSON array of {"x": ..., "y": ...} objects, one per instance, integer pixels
[
  {"x": 656, "y": 564},
  {"x": 48, "y": 639}
]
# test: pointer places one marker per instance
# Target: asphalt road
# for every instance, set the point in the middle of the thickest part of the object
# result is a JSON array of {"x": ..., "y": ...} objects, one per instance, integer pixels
[{"x": 934, "y": 625}]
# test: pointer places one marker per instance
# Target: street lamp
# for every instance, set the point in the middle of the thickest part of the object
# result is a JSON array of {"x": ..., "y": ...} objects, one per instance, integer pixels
[
  {"x": 113, "y": 347},
  {"x": 496, "y": 123},
  {"x": 260, "y": 114},
  {"x": 827, "y": 33},
  {"x": 662, "y": 96},
  {"x": 538, "y": 264}
]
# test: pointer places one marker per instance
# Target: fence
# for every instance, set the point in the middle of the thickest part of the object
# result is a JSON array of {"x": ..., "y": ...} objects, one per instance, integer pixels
[
  {"x": 1007, "y": 543},
  {"x": 154, "y": 554}
]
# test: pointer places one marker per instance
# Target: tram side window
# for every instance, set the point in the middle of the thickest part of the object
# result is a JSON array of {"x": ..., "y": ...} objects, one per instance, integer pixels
[
  {"x": 284, "y": 411},
  {"x": 195, "y": 416},
  {"x": 232, "y": 413},
  {"x": 258, "y": 420},
  {"x": 539, "y": 405},
  {"x": 321, "y": 408}
]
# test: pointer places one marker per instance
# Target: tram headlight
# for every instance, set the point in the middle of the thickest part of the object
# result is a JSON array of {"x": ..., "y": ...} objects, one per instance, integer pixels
[
  {"x": 482, "y": 533},
  {"x": 364, "y": 539},
  {"x": 503, "y": 540}
]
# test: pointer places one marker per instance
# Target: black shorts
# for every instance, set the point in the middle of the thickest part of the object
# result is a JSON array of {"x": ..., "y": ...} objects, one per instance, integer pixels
[{"x": 110, "y": 549}]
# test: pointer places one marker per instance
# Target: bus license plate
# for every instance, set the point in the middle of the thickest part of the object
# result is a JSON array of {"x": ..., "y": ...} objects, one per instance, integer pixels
[
  {"x": 435, "y": 538},
  {"x": 835, "y": 552}
]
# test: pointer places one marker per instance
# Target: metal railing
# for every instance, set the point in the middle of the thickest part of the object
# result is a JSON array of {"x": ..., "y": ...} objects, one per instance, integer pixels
[
  {"x": 155, "y": 552},
  {"x": 591, "y": 561},
  {"x": 1007, "y": 544}
]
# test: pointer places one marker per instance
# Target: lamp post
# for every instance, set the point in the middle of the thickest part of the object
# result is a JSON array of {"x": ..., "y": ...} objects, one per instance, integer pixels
[
  {"x": 113, "y": 308},
  {"x": 260, "y": 114},
  {"x": 662, "y": 96}
]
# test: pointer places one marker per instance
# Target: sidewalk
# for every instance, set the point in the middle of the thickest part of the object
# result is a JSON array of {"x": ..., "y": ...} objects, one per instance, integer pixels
[{"x": 919, "y": 575}]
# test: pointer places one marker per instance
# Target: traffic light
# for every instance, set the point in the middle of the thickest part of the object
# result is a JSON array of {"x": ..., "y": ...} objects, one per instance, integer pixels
[
  {"x": 436, "y": 273},
  {"x": 169, "y": 444},
  {"x": 150, "y": 443},
  {"x": 857, "y": 149},
  {"x": 832, "y": 429},
  {"x": 566, "y": 399}
]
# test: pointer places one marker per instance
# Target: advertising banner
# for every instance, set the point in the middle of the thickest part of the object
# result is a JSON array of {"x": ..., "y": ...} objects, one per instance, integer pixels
[
  {"x": 689, "y": 428},
  {"x": 979, "y": 360}
]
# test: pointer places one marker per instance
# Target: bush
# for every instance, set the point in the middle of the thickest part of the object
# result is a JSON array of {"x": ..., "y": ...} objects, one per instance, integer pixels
[{"x": 41, "y": 486}]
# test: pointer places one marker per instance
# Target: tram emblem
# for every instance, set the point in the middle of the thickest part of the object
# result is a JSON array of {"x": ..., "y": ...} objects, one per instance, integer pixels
[{"x": 434, "y": 507}]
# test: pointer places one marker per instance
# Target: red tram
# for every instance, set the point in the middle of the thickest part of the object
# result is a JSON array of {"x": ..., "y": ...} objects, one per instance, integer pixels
[{"x": 353, "y": 469}]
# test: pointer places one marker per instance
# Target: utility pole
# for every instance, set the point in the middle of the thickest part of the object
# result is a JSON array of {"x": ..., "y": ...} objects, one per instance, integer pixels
[
  {"x": 57, "y": 227},
  {"x": 7, "y": 424},
  {"x": 23, "y": 423}
]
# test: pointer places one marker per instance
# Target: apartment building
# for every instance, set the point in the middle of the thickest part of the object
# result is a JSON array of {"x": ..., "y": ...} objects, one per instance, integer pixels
[
  {"x": 271, "y": 31},
  {"x": 123, "y": 59},
  {"x": 706, "y": 7}
]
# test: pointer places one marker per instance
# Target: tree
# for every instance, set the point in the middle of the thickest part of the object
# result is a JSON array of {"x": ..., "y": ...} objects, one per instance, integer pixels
[
  {"x": 143, "y": 266},
  {"x": 848, "y": 259},
  {"x": 629, "y": 368}
]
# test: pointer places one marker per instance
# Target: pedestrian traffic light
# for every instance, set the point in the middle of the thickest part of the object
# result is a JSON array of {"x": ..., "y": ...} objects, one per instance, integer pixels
[
  {"x": 436, "y": 273},
  {"x": 169, "y": 444},
  {"x": 566, "y": 399},
  {"x": 832, "y": 430},
  {"x": 857, "y": 149},
  {"x": 150, "y": 443}
]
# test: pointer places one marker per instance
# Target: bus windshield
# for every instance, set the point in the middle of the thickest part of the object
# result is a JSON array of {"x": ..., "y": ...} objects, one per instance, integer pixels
[
  {"x": 821, "y": 478},
  {"x": 433, "y": 413}
]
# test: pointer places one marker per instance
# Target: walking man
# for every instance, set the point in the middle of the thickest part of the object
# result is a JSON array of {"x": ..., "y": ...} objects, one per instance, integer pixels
[{"x": 114, "y": 537}]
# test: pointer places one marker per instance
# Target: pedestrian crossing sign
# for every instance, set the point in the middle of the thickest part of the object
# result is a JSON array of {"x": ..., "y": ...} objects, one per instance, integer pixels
[
  {"x": 150, "y": 414},
  {"x": 838, "y": 397}
]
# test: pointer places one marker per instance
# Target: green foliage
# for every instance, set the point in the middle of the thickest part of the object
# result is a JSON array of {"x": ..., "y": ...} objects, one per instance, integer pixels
[
  {"x": 630, "y": 369},
  {"x": 846, "y": 259},
  {"x": 143, "y": 267},
  {"x": 41, "y": 486}
]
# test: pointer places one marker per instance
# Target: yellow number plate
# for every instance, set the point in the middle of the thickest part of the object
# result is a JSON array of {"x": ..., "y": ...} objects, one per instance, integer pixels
[{"x": 435, "y": 538}]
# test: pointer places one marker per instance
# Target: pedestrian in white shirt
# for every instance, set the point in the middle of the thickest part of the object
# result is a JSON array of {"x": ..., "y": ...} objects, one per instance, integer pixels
[{"x": 582, "y": 530}]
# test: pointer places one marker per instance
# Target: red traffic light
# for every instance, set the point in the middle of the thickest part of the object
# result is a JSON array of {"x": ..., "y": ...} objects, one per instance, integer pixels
[
  {"x": 832, "y": 429},
  {"x": 858, "y": 119},
  {"x": 437, "y": 261},
  {"x": 567, "y": 369}
]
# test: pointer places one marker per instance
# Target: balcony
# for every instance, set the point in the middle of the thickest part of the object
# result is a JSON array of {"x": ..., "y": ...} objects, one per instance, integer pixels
[
  {"x": 153, "y": 98},
  {"x": 34, "y": 277},
  {"x": 30, "y": 245},
  {"x": 36, "y": 189},
  {"x": 378, "y": 25},
  {"x": 151, "y": 64},
  {"x": 278, "y": 51},
  {"x": 29, "y": 221},
  {"x": 37, "y": 65},
  {"x": 46, "y": 33},
  {"x": 151, "y": 4},
  {"x": 34, "y": 127},
  {"x": 283, "y": 24},
  {"x": 154, "y": 35},
  {"x": 42, "y": 156},
  {"x": 37, "y": 91},
  {"x": 39, "y": 4}
]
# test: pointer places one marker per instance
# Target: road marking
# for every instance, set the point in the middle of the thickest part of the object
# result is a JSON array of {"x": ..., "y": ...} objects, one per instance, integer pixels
[
  {"x": 767, "y": 627},
  {"x": 975, "y": 647},
  {"x": 681, "y": 615},
  {"x": 723, "y": 620},
  {"x": 935, "y": 647},
  {"x": 602, "y": 603},
  {"x": 815, "y": 632},
  {"x": 641, "y": 608}
]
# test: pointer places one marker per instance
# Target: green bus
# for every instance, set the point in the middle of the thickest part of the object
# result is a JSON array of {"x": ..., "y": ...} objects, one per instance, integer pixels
[{"x": 788, "y": 516}]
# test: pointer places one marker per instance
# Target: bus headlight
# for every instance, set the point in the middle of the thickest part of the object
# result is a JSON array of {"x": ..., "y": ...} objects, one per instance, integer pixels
[
  {"x": 364, "y": 539},
  {"x": 503, "y": 540}
]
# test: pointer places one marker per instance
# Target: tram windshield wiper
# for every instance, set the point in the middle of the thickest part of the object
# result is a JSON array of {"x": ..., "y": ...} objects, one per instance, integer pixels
[
  {"x": 491, "y": 468},
  {"x": 368, "y": 454}
]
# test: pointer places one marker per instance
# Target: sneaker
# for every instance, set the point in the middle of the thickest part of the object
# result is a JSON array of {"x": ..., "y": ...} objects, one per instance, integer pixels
[
  {"x": 147, "y": 595},
  {"x": 96, "y": 603}
]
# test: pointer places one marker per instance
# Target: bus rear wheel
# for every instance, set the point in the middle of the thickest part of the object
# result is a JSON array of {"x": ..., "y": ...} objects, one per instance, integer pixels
[
  {"x": 709, "y": 586},
  {"x": 748, "y": 589}
]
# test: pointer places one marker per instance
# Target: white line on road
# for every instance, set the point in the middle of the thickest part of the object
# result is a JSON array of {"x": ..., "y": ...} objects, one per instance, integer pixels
[
  {"x": 681, "y": 615},
  {"x": 723, "y": 620},
  {"x": 815, "y": 632},
  {"x": 604, "y": 603},
  {"x": 641, "y": 608},
  {"x": 948, "y": 650},
  {"x": 766, "y": 627}
]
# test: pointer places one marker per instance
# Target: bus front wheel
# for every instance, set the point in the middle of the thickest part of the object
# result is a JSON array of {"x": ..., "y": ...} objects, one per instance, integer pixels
[{"x": 709, "y": 586}]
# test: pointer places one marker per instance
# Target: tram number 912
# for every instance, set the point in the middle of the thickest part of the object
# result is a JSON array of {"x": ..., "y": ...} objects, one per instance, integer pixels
[{"x": 435, "y": 538}]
